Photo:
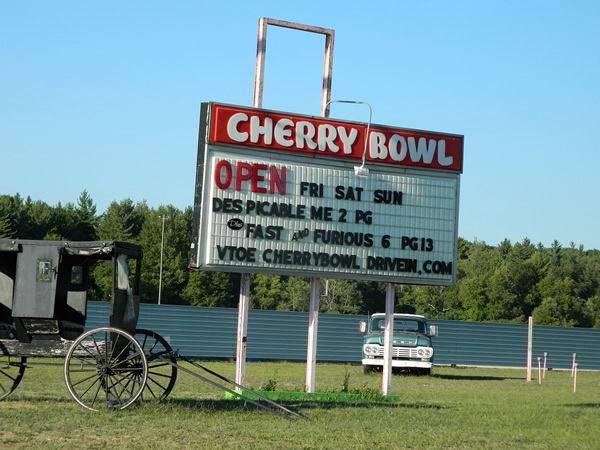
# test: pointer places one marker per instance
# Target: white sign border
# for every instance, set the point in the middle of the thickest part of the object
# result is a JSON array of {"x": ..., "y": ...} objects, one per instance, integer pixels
[{"x": 201, "y": 225}]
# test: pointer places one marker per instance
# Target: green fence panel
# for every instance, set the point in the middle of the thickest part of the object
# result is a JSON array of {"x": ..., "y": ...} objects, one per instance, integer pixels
[{"x": 278, "y": 335}]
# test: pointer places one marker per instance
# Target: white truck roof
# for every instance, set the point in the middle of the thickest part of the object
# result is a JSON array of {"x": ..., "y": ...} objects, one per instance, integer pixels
[{"x": 416, "y": 316}]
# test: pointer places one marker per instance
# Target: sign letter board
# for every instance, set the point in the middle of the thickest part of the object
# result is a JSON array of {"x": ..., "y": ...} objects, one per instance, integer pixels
[{"x": 277, "y": 193}]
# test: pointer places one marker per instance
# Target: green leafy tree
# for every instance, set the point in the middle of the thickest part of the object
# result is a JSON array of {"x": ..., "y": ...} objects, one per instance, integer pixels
[
  {"x": 175, "y": 254},
  {"x": 37, "y": 219},
  {"x": 211, "y": 289},
  {"x": 343, "y": 296},
  {"x": 121, "y": 221},
  {"x": 296, "y": 295},
  {"x": 266, "y": 291},
  {"x": 592, "y": 310}
]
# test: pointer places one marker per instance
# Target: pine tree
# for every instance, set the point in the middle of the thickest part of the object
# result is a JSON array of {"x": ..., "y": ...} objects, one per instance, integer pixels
[
  {"x": 120, "y": 222},
  {"x": 86, "y": 219},
  {"x": 7, "y": 217}
]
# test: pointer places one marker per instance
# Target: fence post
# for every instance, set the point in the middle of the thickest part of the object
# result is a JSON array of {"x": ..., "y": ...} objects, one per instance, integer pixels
[{"x": 529, "y": 347}]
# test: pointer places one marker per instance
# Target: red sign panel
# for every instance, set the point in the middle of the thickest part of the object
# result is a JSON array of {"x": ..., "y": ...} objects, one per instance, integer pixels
[{"x": 315, "y": 136}]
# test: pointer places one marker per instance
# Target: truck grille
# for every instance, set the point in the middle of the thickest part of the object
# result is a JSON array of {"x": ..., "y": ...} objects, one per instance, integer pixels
[{"x": 400, "y": 352}]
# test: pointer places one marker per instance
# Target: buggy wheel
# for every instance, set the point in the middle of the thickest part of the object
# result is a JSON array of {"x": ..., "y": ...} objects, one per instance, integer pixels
[
  {"x": 105, "y": 367},
  {"x": 161, "y": 374},
  {"x": 11, "y": 372}
]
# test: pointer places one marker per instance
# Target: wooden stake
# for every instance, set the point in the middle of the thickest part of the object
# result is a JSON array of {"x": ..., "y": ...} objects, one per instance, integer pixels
[
  {"x": 545, "y": 360},
  {"x": 539, "y": 370},
  {"x": 575, "y": 378},
  {"x": 573, "y": 365},
  {"x": 529, "y": 348}
]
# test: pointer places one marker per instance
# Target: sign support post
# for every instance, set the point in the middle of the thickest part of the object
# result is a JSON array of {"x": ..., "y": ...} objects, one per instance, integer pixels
[
  {"x": 388, "y": 335},
  {"x": 242, "y": 331},
  {"x": 313, "y": 325}
]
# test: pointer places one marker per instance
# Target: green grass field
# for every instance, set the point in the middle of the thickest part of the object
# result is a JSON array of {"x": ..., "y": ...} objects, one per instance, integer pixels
[{"x": 454, "y": 408}]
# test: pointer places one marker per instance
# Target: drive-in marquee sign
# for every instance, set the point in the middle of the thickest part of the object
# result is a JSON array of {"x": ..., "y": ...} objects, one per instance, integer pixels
[{"x": 277, "y": 193}]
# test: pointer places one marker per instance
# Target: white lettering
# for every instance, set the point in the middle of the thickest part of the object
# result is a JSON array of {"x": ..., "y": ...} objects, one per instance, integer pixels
[
  {"x": 423, "y": 151},
  {"x": 442, "y": 158},
  {"x": 327, "y": 134},
  {"x": 393, "y": 147},
  {"x": 377, "y": 148},
  {"x": 256, "y": 129},
  {"x": 347, "y": 138},
  {"x": 232, "y": 129},
  {"x": 305, "y": 132},
  {"x": 282, "y": 132}
]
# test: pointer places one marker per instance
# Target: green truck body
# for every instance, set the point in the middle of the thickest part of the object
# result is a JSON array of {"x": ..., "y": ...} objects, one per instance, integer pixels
[{"x": 412, "y": 345}]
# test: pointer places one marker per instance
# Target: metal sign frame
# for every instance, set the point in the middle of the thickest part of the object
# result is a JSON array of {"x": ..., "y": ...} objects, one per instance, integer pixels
[
  {"x": 261, "y": 53},
  {"x": 313, "y": 161}
]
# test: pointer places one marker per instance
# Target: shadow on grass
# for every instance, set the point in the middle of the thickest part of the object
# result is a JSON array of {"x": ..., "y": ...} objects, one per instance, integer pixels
[
  {"x": 474, "y": 377},
  {"x": 37, "y": 398},
  {"x": 583, "y": 405},
  {"x": 239, "y": 405}
]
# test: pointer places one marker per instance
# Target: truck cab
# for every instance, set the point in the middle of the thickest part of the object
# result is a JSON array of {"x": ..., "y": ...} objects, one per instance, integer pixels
[{"x": 412, "y": 344}]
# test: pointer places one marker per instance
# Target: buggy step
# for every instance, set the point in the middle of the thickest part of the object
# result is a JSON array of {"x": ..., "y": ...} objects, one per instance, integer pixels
[{"x": 236, "y": 389}]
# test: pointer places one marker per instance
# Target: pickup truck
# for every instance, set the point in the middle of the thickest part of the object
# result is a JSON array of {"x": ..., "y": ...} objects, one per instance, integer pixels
[{"x": 412, "y": 345}]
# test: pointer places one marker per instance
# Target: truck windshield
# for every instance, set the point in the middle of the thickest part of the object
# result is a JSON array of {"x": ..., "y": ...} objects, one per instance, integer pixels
[{"x": 400, "y": 325}]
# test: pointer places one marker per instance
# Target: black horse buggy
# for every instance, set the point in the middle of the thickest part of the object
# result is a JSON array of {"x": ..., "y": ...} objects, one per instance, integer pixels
[{"x": 43, "y": 287}]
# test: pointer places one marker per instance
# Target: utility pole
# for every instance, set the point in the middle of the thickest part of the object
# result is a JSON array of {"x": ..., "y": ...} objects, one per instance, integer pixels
[{"x": 162, "y": 245}]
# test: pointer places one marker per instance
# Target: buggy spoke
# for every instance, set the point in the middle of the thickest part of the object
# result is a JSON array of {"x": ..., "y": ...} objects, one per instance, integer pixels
[
  {"x": 159, "y": 354},
  {"x": 85, "y": 361},
  {"x": 127, "y": 369},
  {"x": 159, "y": 374},
  {"x": 157, "y": 383},
  {"x": 96, "y": 357},
  {"x": 158, "y": 365},
  {"x": 7, "y": 375},
  {"x": 113, "y": 346},
  {"x": 97, "y": 392},
  {"x": 105, "y": 347},
  {"x": 154, "y": 346},
  {"x": 115, "y": 390},
  {"x": 151, "y": 391},
  {"x": 130, "y": 357},
  {"x": 90, "y": 386},
  {"x": 85, "y": 379},
  {"x": 120, "y": 353},
  {"x": 11, "y": 373},
  {"x": 97, "y": 348},
  {"x": 129, "y": 379}
]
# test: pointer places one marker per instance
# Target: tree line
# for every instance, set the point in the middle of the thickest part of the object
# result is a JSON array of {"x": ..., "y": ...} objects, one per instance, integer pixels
[{"x": 504, "y": 283}]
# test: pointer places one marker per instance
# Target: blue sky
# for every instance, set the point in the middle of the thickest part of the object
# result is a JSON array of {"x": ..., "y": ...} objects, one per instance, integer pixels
[{"x": 105, "y": 96}]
